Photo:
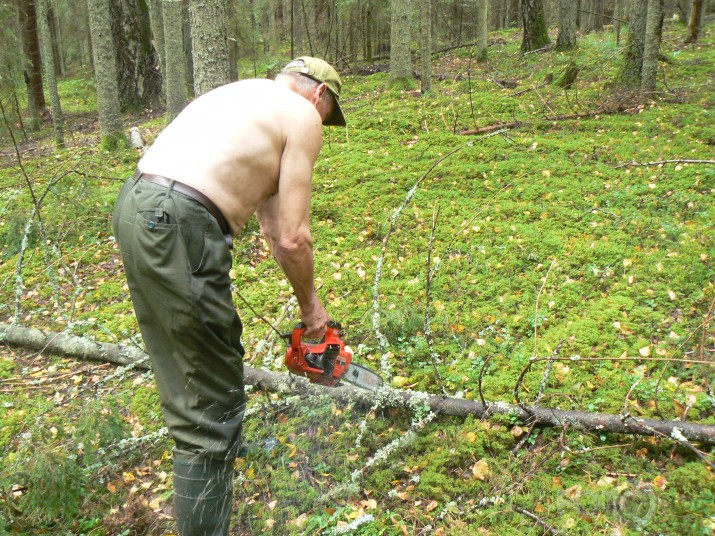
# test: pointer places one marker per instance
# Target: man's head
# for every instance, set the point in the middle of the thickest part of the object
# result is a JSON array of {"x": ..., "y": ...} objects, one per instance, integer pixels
[{"x": 321, "y": 76}]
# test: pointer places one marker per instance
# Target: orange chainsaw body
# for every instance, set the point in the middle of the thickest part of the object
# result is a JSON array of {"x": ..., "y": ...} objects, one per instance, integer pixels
[{"x": 324, "y": 362}]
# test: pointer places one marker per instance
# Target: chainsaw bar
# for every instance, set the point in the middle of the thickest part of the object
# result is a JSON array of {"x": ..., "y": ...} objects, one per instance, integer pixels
[{"x": 362, "y": 377}]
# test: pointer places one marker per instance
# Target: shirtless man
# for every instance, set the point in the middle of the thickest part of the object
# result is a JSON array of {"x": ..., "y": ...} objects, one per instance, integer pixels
[{"x": 244, "y": 148}]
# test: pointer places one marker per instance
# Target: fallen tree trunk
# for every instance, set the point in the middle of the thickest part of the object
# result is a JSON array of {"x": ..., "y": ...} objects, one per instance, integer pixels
[
  {"x": 567, "y": 117},
  {"x": 84, "y": 348}
]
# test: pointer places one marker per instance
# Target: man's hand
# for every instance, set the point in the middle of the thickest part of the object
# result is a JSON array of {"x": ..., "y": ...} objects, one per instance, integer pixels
[{"x": 315, "y": 318}]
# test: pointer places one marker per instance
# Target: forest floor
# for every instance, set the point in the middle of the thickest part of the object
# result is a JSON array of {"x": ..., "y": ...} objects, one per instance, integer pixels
[{"x": 453, "y": 261}]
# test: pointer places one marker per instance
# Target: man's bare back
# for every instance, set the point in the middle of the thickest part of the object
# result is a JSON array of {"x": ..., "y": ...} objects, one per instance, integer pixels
[{"x": 232, "y": 143}]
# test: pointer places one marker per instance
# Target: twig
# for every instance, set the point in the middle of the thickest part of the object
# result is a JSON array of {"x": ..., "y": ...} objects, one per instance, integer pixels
[
  {"x": 628, "y": 394},
  {"x": 525, "y": 370},
  {"x": 531, "y": 88},
  {"x": 382, "y": 340},
  {"x": 708, "y": 317},
  {"x": 536, "y": 308},
  {"x": 479, "y": 384},
  {"x": 639, "y": 358},
  {"x": 428, "y": 283},
  {"x": 543, "y": 524},
  {"x": 536, "y": 90},
  {"x": 633, "y": 163}
]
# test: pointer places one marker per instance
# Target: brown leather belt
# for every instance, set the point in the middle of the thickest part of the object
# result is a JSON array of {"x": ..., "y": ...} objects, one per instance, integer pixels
[{"x": 193, "y": 194}]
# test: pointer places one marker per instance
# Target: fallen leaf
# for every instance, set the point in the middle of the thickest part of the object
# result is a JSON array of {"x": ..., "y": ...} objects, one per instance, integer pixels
[
  {"x": 660, "y": 482},
  {"x": 574, "y": 492},
  {"x": 431, "y": 506},
  {"x": 480, "y": 470}
]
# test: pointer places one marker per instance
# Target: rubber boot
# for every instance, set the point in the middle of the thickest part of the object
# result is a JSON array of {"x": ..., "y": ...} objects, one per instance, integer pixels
[{"x": 203, "y": 495}]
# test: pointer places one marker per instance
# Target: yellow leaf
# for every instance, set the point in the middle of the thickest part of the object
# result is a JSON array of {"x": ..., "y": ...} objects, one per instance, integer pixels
[
  {"x": 128, "y": 477},
  {"x": 250, "y": 473},
  {"x": 399, "y": 381},
  {"x": 156, "y": 504},
  {"x": 355, "y": 514},
  {"x": 301, "y": 520},
  {"x": 574, "y": 492},
  {"x": 480, "y": 470},
  {"x": 471, "y": 437}
]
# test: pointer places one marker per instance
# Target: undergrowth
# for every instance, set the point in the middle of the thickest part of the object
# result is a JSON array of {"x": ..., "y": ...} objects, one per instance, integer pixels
[{"x": 544, "y": 241}]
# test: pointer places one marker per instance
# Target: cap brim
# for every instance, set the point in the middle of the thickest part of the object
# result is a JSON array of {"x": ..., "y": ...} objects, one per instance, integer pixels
[{"x": 336, "y": 118}]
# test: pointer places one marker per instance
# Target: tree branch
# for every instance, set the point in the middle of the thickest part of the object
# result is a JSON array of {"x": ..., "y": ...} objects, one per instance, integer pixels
[{"x": 85, "y": 348}]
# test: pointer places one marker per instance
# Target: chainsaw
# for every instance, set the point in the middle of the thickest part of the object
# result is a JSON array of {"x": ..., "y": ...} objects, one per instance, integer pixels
[{"x": 328, "y": 362}]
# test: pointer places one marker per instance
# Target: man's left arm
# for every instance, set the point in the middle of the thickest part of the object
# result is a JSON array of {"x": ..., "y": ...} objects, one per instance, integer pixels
[{"x": 285, "y": 223}]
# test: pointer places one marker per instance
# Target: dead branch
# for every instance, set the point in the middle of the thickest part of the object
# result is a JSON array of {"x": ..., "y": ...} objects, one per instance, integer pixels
[
  {"x": 428, "y": 321},
  {"x": 88, "y": 349},
  {"x": 566, "y": 117},
  {"x": 661, "y": 162},
  {"x": 543, "y": 524}
]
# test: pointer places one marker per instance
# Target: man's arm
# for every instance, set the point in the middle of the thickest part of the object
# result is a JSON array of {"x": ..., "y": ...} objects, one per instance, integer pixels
[{"x": 285, "y": 220}]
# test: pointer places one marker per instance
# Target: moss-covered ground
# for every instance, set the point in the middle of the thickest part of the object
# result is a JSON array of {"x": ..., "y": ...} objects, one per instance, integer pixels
[{"x": 542, "y": 240}]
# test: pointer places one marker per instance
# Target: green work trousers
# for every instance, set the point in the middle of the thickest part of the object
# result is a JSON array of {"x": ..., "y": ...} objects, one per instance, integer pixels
[{"x": 177, "y": 265}]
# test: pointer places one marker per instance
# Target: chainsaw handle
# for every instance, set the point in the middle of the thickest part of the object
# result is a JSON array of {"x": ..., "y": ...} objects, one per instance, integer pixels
[
  {"x": 297, "y": 335},
  {"x": 300, "y": 327}
]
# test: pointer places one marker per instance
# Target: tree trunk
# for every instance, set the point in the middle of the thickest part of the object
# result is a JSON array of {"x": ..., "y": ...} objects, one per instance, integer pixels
[
  {"x": 232, "y": 40},
  {"x": 188, "y": 52},
  {"x": 137, "y": 62},
  {"x": 367, "y": 32},
  {"x": 587, "y": 19},
  {"x": 209, "y": 43},
  {"x": 84, "y": 348},
  {"x": 651, "y": 49},
  {"x": 400, "y": 59},
  {"x": 105, "y": 73},
  {"x": 156, "y": 20},
  {"x": 425, "y": 7},
  {"x": 173, "y": 14},
  {"x": 33, "y": 69},
  {"x": 536, "y": 34},
  {"x": 618, "y": 16},
  {"x": 567, "y": 25},
  {"x": 56, "y": 36},
  {"x": 49, "y": 69},
  {"x": 482, "y": 29},
  {"x": 696, "y": 15},
  {"x": 630, "y": 73}
]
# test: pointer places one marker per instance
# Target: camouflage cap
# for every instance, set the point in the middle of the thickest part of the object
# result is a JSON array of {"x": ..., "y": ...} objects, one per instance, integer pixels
[{"x": 321, "y": 71}]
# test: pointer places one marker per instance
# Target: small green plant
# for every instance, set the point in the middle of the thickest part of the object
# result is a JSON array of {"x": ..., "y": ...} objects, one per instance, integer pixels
[{"x": 50, "y": 488}]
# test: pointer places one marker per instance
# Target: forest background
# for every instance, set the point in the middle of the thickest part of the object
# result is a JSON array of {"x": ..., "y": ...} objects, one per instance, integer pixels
[{"x": 520, "y": 212}]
